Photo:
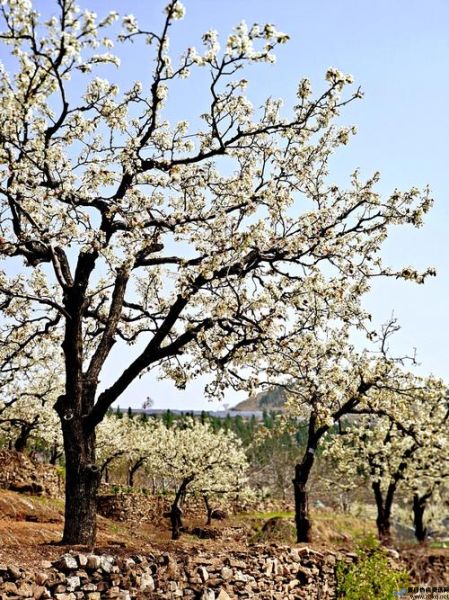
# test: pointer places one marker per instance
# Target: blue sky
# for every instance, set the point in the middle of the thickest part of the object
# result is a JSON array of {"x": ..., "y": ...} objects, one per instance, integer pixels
[{"x": 398, "y": 51}]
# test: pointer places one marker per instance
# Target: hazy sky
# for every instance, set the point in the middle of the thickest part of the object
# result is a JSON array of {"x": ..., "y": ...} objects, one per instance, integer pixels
[{"x": 398, "y": 51}]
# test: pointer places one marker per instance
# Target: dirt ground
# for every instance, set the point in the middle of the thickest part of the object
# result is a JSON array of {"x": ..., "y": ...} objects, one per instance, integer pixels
[{"x": 31, "y": 527}]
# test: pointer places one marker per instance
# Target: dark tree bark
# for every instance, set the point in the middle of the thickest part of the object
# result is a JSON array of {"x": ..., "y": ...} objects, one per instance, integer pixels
[
  {"x": 384, "y": 506},
  {"x": 302, "y": 473},
  {"x": 209, "y": 509},
  {"x": 304, "y": 468},
  {"x": 419, "y": 506},
  {"x": 176, "y": 512},
  {"x": 55, "y": 454},
  {"x": 22, "y": 439},
  {"x": 81, "y": 486},
  {"x": 132, "y": 470},
  {"x": 302, "y": 520}
]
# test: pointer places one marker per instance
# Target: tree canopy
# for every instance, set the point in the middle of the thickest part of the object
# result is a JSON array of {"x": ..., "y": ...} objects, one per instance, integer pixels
[{"x": 209, "y": 247}]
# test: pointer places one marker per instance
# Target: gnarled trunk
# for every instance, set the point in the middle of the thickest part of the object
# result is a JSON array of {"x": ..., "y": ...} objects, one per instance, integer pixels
[
  {"x": 81, "y": 485},
  {"x": 176, "y": 512}
]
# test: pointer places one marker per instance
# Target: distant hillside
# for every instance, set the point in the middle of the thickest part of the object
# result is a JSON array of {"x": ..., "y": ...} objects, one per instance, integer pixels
[{"x": 272, "y": 399}]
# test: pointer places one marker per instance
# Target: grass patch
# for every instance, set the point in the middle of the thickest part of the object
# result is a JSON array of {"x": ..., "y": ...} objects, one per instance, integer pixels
[
  {"x": 439, "y": 544},
  {"x": 270, "y": 515}
]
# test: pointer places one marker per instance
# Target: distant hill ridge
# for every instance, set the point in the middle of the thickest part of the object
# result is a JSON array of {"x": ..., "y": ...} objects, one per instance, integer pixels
[{"x": 272, "y": 399}]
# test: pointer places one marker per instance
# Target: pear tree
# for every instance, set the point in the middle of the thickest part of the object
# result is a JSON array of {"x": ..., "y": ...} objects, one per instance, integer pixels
[{"x": 203, "y": 246}]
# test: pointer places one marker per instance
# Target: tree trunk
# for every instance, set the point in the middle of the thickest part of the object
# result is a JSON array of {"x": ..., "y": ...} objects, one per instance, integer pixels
[
  {"x": 419, "y": 506},
  {"x": 176, "y": 512},
  {"x": 302, "y": 472},
  {"x": 209, "y": 510},
  {"x": 21, "y": 442},
  {"x": 55, "y": 454},
  {"x": 81, "y": 485},
  {"x": 383, "y": 513},
  {"x": 303, "y": 524},
  {"x": 131, "y": 478},
  {"x": 133, "y": 470}
]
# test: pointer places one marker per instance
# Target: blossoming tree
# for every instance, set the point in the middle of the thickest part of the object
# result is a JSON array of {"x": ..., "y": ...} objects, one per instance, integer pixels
[
  {"x": 206, "y": 244},
  {"x": 400, "y": 442},
  {"x": 199, "y": 461},
  {"x": 326, "y": 380},
  {"x": 27, "y": 392}
]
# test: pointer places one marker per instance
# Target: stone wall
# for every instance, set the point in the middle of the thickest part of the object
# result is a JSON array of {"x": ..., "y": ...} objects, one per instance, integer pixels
[
  {"x": 147, "y": 508},
  {"x": 19, "y": 473},
  {"x": 265, "y": 572},
  {"x": 133, "y": 507}
]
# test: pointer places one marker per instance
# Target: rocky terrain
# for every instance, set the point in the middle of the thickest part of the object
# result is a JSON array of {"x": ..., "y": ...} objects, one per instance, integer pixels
[
  {"x": 277, "y": 572},
  {"x": 238, "y": 557}
]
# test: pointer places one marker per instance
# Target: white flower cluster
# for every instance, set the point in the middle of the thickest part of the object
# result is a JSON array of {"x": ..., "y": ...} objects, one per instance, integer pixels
[{"x": 216, "y": 461}]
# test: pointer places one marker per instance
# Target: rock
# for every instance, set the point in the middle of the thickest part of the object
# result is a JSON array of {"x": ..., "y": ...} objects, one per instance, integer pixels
[
  {"x": 203, "y": 573},
  {"x": 41, "y": 578},
  {"x": 218, "y": 514},
  {"x": 72, "y": 583},
  {"x": 241, "y": 577},
  {"x": 25, "y": 590},
  {"x": 226, "y": 573},
  {"x": 146, "y": 583},
  {"x": 15, "y": 572},
  {"x": 237, "y": 564},
  {"x": 106, "y": 563},
  {"x": 9, "y": 587},
  {"x": 38, "y": 592},
  {"x": 269, "y": 566},
  {"x": 93, "y": 562},
  {"x": 67, "y": 562},
  {"x": 304, "y": 574},
  {"x": 295, "y": 554},
  {"x": 205, "y": 533},
  {"x": 82, "y": 560},
  {"x": 223, "y": 595},
  {"x": 69, "y": 596},
  {"x": 208, "y": 594}
]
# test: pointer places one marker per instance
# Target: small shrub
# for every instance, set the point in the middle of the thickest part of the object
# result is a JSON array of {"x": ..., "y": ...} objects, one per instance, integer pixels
[{"x": 371, "y": 577}]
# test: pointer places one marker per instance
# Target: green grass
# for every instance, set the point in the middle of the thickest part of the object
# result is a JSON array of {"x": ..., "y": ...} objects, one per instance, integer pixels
[
  {"x": 439, "y": 544},
  {"x": 270, "y": 515}
]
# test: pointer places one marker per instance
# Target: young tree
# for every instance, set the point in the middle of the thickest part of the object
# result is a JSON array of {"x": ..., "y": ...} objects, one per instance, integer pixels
[
  {"x": 31, "y": 417},
  {"x": 28, "y": 396},
  {"x": 394, "y": 444},
  {"x": 200, "y": 243},
  {"x": 199, "y": 461}
]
